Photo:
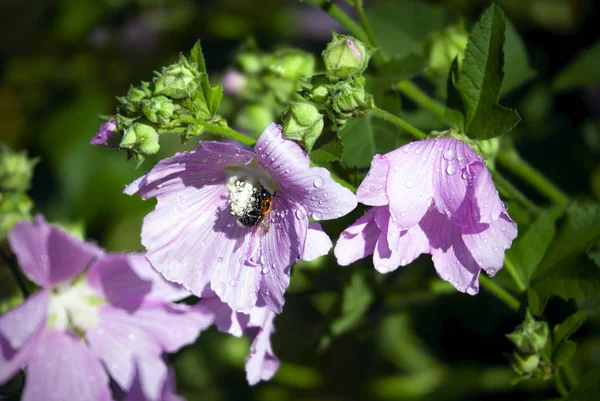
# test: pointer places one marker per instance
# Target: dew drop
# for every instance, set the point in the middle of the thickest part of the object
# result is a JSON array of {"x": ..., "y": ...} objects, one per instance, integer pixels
[
  {"x": 430, "y": 202},
  {"x": 131, "y": 337},
  {"x": 409, "y": 184},
  {"x": 450, "y": 169},
  {"x": 264, "y": 270},
  {"x": 233, "y": 282},
  {"x": 495, "y": 249},
  {"x": 449, "y": 154},
  {"x": 318, "y": 182},
  {"x": 287, "y": 170},
  {"x": 485, "y": 241},
  {"x": 317, "y": 216},
  {"x": 403, "y": 262},
  {"x": 464, "y": 175},
  {"x": 503, "y": 229},
  {"x": 300, "y": 214},
  {"x": 339, "y": 214}
]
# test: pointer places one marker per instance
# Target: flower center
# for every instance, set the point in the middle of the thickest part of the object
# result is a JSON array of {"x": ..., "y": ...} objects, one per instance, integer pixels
[
  {"x": 74, "y": 306},
  {"x": 249, "y": 201}
]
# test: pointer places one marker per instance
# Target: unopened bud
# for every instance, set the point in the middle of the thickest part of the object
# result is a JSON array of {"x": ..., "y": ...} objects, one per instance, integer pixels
[
  {"x": 304, "y": 123},
  {"x": 15, "y": 170},
  {"x": 159, "y": 109},
  {"x": 346, "y": 57},
  {"x": 106, "y": 135},
  {"x": 142, "y": 138},
  {"x": 350, "y": 99},
  {"x": 524, "y": 364},
  {"x": 530, "y": 336},
  {"x": 14, "y": 208},
  {"x": 316, "y": 89},
  {"x": 292, "y": 64},
  {"x": 177, "y": 81}
]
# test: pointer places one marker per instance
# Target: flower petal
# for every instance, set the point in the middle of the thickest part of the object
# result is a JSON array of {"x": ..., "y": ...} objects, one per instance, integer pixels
[
  {"x": 118, "y": 343},
  {"x": 280, "y": 247},
  {"x": 47, "y": 254},
  {"x": 409, "y": 180},
  {"x": 20, "y": 331},
  {"x": 484, "y": 197},
  {"x": 261, "y": 363},
  {"x": 317, "y": 243},
  {"x": 64, "y": 367},
  {"x": 452, "y": 177},
  {"x": 409, "y": 245},
  {"x": 358, "y": 240},
  {"x": 136, "y": 392},
  {"x": 372, "y": 190},
  {"x": 172, "y": 326},
  {"x": 312, "y": 187},
  {"x": 488, "y": 242},
  {"x": 126, "y": 280},
  {"x": 451, "y": 258}
]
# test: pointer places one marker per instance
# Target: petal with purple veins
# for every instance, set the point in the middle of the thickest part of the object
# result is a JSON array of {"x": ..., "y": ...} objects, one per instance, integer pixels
[{"x": 372, "y": 190}]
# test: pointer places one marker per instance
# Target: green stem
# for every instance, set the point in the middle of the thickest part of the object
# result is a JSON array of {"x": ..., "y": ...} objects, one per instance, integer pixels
[
  {"x": 414, "y": 93},
  {"x": 508, "y": 190},
  {"x": 340, "y": 16},
  {"x": 384, "y": 115},
  {"x": 512, "y": 271},
  {"x": 379, "y": 56},
  {"x": 560, "y": 386},
  {"x": 513, "y": 162},
  {"x": 500, "y": 292},
  {"x": 14, "y": 269},
  {"x": 226, "y": 131}
]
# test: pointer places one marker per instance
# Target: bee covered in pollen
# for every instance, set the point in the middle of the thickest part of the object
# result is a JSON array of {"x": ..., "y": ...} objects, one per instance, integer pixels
[{"x": 252, "y": 205}]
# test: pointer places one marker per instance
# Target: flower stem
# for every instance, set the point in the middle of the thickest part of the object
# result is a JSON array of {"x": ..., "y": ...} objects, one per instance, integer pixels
[
  {"x": 379, "y": 56},
  {"x": 512, "y": 271},
  {"x": 340, "y": 16},
  {"x": 560, "y": 386},
  {"x": 226, "y": 132},
  {"x": 500, "y": 292},
  {"x": 14, "y": 269},
  {"x": 510, "y": 191},
  {"x": 414, "y": 93},
  {"x": 384, "y": 115},
  {"x": 510, "y": 159}
]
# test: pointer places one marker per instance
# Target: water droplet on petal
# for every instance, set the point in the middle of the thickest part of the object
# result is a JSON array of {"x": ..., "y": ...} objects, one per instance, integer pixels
[
  {"x": 409, "y": 184},
  {"x": 318, "y": 182},
  {"x": 317, "y": 216},
  {"x": 464, "y": 175},
  {"x": 300, "y": 214},
  {"x": 485, "y": 241},
  {"x": 430, "y": 202},
  {"x": 495, "y": 249},
  {"x": 233, "y": 282},
  {"x": 131, "y": 337},
  {"x": 264, "y": 270},
  {"x": 403, "y": 262},
  {"x": 503, "y": 229},
  {"x": 450, "y": 169},
  {"x": 449, "y": 154}
]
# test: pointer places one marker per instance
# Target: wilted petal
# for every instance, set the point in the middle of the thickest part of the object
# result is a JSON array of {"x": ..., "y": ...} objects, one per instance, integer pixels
[
  {"x": 451, "y": 258},
  {"x": 118, "y": 342},
  {"x": 104, "y": 134},
  {"x": 317, "y": 243},
  {"x": 20, "y": 331},
  {"x": 63, "y": 367},
  {"x": 47, "y": 254},
  {"x": 358, "y": 240},
  {"x": 488, "y": 242},
  {"x": 312, "y": 187},
  {"x": 372, "y": 190}
]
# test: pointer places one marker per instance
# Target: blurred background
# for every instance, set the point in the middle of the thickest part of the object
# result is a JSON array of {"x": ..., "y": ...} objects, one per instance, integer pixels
[{"x": 62, "y": 64}]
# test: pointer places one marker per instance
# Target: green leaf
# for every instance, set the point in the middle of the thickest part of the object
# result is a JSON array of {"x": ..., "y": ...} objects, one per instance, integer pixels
[
  {"x": 563, "y": 353},
  {"x": 594, "y": 254},
  {"x": 566, "y": 329},
  {"x": 528, "y": 249},
  {"x": 363, "y": 138},
  {"x": 401, "y": 26},
  {"x": 517, "y": 69},
  {"x": 588, "y": 388},
  {"x": 356, "y": 301},
  {"x": 212, "y": 96},
  {"x": 581, "y": 71},
  {"x": 481, "y": 79},
  {"x": 330, "y": 151},
  {"x": 398, "y": 69},
  {"x": 580, "y": 231}
]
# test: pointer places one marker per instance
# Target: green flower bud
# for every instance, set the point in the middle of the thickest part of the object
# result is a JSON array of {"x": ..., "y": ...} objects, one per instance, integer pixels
[
  {"x": 350, "y": 100},
  {"x": 159, "y": 109},
  {"x": 304, "y": 123},
  {"x": 142, "y": 138},
  {"x": 530, "y": 336},
  {"x": 316, "y": 89},
  {"x": 524, "y": 364},
  {"x": 178, "y": 81},
  {"x": 15, "y": 170},
  {"x": 254, "y": 118},
  {"x": 250, "y": 62},
  {"x": 292, "y": 64},
  {"x": 14, "y": 208},
  {"x": 442, "y": 47},
  {"x": 346, "y": 57}
]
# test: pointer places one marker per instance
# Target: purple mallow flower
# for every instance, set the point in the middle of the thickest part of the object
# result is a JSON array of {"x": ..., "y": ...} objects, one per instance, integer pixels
[
  {"x": 96, "y": 315},
  {"x": 104, "y": 134},
  {"x": 432, "y": 196},
  {"x": 234, "y": 220}
]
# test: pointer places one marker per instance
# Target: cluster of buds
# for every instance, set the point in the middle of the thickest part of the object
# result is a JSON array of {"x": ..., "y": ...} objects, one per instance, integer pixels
[
  {"x": 264, "y": 83},
  {"x": 16, "y": 171},
  {"x": 530, "y": 338},
  {"x": 178, "y": 96}
]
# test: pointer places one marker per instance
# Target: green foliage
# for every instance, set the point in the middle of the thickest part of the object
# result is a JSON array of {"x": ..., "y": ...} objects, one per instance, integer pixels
[
  {"x": 517, "y": 69},
  {"x": 330, "y": 151},
  {"x": 356, "y": 300},
  {"x": 480, "y": 79},
  {"x": 581, "y": 71},
  {"x": 396, "y": 70},
  {"x": 563, "y": 348},
  {"x": 588, "y": 388}
]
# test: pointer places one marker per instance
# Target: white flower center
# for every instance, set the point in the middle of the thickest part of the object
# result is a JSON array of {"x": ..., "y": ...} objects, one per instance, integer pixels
[
  {"x": 74, "y": 306},
  {"x": 243, "y": 196}
]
